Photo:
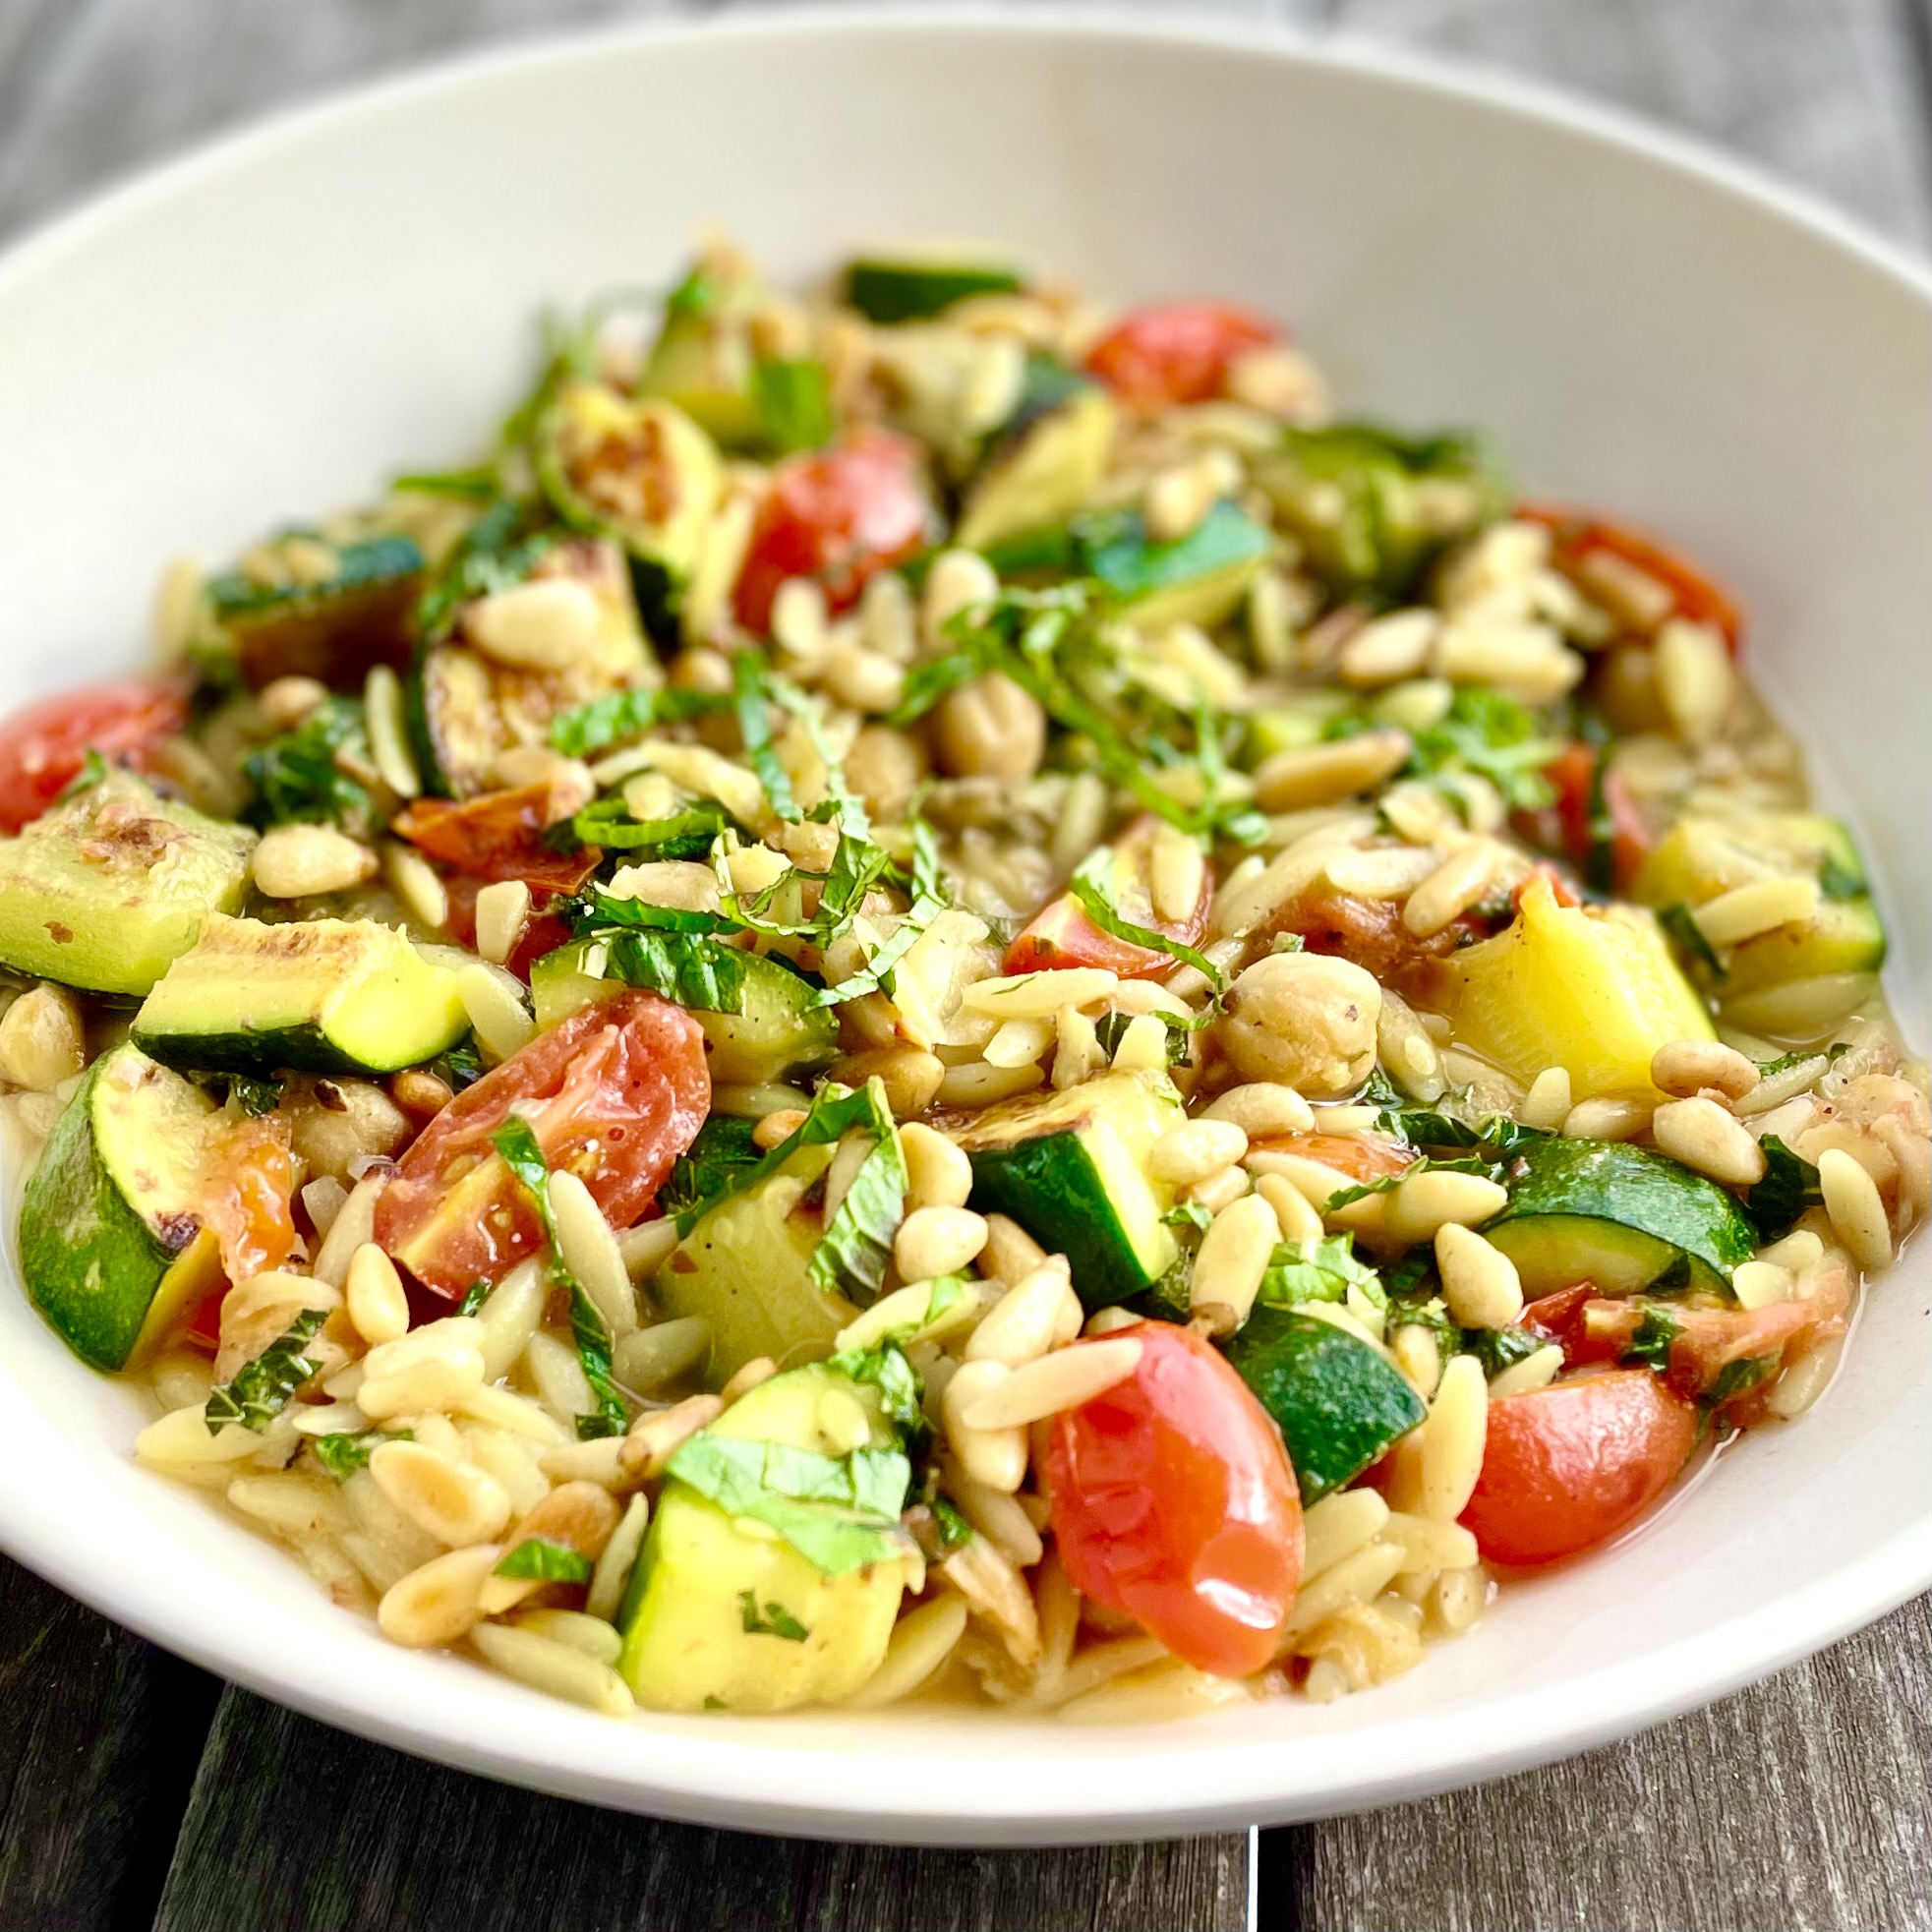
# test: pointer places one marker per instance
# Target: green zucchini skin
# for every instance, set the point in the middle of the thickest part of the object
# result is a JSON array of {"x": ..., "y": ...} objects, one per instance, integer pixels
[
  {"x": 1338, "y": 1403},
  {"x": 336, "y": 630},
  {"x": 913, "y": 291},
  {"x": 1587, "y": 1209},
  {"x": 94, "y": 1265}
]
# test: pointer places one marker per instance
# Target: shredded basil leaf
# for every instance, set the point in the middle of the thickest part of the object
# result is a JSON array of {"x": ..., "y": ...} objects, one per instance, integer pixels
[
  {"x": 955, "y": 1532},
  {"x": 1322, "y": 1271},
  {"x": 261, "y": 1389},
  {"x": 255, "y": 1097},
  {"x": 542, "y": 1559},
  {"x": 1093, "y": 885},
  {"x": 1680, "y": 922},
  {"x": 1649, "y": 1345},
  {"x": 1493, "y": 738},
  {"x": 1497, "y": 1349},
  {"x": 794, "y": 401},
  {"x": 700, "y": 974},
  {"x": 349, "y": 1451},
  {"x": 1789, "y": 1189},
  {"x": 299, "y": 776},
  {"x": 620, "y": 714},
  {"x": 773, "y": 1620},
  {"x": 689, "y": 833}
]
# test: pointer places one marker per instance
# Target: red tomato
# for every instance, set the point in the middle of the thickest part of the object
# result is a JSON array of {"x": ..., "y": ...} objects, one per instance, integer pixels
[
  {"x": 1174, "y": 1502},
  {"x": 614, "y": 1094},
  {"x": 1572, "y": 776},
  {"x": 839, "y": 516},
  {"x": 1575, "y": 537},
  {"x": 44, "y": 746},
  {"x": 497, "y": 835},
  {"x": 542, "y": 932},
  {"x": 1175, "y": 351},
  {"x": 1062, "y": 935},
  {"x": 1347, "y": 1153},
  {"x": 1368, "y": 931},
  {"x": 249, "y": 1196},
  {"x": 1566, "y": 1467}
]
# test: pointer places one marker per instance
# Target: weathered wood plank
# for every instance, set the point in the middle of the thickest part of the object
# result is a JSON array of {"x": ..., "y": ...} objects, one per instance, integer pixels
[
  {"x": 296, "y": 1826},
  {"x": 1800, "y": 1803},
  {"x": 99, "y": 1734}
]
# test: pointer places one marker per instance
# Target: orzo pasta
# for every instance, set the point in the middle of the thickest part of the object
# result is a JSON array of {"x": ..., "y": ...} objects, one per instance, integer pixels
[{"x": 936, "y": 995}]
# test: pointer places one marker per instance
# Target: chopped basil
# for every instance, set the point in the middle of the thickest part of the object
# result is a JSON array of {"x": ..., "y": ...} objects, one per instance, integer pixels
[
  {"x": 1495, "y": 1135},
  {"x": 1735, "y": 1379},
  {"x": 689, "y": 833},
  {"x": 478, "y": 1293},
  {"x": 621, "y": 715},
  {"x": 1497, "y": 1349},
  {"x": 1110, "y": 1027},
  {"x": 1093, "y": 885},
  {"x": 542, "y": 1559},
  {"x": 254, "y": 1096},
  {"x": 1323, "y": 1272},
  {"x": 1837, "y": 880},
  {"x": 709, "y": 1169},
  {"x": 701, "y": 974},
  {"x": 349, "y": 1449},
  {"x": 1651, "y": 1344},
  {"x": 1681, "y": 924},
  {"x": 261, "y": 1389},
  {"x": 773, "y": 1620},
  {"x": 793, "y": 402},
  {"x": 303, "y": 777},
  {"x": 955, "y": 1532},
  {"x": 1789, "y": 1189},
  {"x": 1493, "y": 738},
  {"x": 753, "y": 697}
]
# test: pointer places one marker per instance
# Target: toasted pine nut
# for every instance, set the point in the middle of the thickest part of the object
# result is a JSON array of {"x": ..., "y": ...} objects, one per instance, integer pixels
[
  {"x": 655, "y": 1438},
  {"x": 1685, "y": 1068},
  {"x": 547, "y": 624},
  {"x": 286, "y": 701},
  {"x": 1605, "y": 1118},
  {"x": 1294, "y": 1216},
  {"x": 438, "y": 1601},
  {"x": 1548, "y": 1103},
  {"x": 1424, "y": 1203},
  {"x": 455, "y": 1502},
  {"x": 1703, "y": 1136},
  {"x": 938, "y": 1173},
  {"x": 1480, "y": 1283},
  {"x": 935, "y": 1241},
  {"x": 300, "y": 861},
  {"x": 1193, "y": 1149},
  {"x": 376, "y": 1301}
]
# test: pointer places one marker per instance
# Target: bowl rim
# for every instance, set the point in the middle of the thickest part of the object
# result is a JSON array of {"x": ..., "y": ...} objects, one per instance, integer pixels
[{"x": 711, "y": 1778}]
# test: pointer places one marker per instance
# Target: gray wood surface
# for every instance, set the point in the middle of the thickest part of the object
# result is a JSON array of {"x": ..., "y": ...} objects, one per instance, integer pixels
[{"x": 1802, "y": 1802}]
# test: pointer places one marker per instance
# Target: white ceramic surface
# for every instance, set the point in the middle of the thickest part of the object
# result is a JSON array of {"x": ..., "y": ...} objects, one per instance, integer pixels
[{"x": 277, "y": 324}]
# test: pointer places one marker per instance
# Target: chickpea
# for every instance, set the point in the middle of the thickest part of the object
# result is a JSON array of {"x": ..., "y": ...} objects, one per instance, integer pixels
[
  {"x": 342, "y": 1119},
  {"x": 885, "y": 767},
  {"x": 989, "y": 729},
  {"x": 1303, "y": 1019}
]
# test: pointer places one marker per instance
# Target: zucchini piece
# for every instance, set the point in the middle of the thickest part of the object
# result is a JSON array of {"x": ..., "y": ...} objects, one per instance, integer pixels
[
  {"x": 1706, "y": 854},
  {"x": 718, "y": 1618},
  {"x": 1071, "y": 1168},
  {"x": 1042, "y": 464},
  {"x": 703, "y": 358},
  {"x": 1620, "y": 1216},
  {"x": 104, "y": 890},
  {"x": 1593, "y": 989},
  {"x": 743, "y": 1269},
  {"x": 469, "y": 709},
  {"x": 1198, "y": 578},
  {"x": 639, "y": 471},
  {"x": 113, "y": 1247},
  {"x": 324, "y": 996},
  {"x": 1336, "y": 1401},
  {"x": 319, "y": 609},
  {"x": 889, "y": 292},
  {"x": 781, "y": 1030},
  {"x": 1373, "y": 509}
]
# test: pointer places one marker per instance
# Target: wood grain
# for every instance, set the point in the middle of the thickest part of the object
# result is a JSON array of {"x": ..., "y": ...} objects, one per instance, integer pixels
[
  {"x": 99, "y": 1735},
  {"x": 297, "y": 1825}
]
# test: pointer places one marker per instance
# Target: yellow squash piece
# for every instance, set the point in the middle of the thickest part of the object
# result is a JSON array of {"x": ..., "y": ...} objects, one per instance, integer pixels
[{"x": 1592, "y": 990}]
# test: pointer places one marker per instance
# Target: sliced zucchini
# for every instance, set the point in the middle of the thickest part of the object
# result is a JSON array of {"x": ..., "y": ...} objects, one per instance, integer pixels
[
  {"x": 640, "y": 471},
  {"x": 1041, "y": 466},
  {"x": 1592, "y": 989},
  {"x": 1198, "y": 578},
  {"x": 1071, "y": 1168},
  {"x": 897, "y": 291},
  {"x": 1706, "y": 854},
  {"x": 311, "y": 609},
  {"x": 781, "y": 1031},
  {"x": 470, "y": 709},
  {"x": 717, "y": 1618},
  {"x": 703, "y": 358},
  {"x": 103, "y": 891},
  {"x": 743, "y": 1269},
  {"x": 1621, "y": 1217},
  {"x": 113, "y": 1247},
  {"x": 1373, "y": 509},
  {"x": 1337, "y": 1402},
  {"x": 324, "y": 996}
]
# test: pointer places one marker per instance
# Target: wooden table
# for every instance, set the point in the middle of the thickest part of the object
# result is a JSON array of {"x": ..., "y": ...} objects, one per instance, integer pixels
[{"x": 138, "y": 1788}]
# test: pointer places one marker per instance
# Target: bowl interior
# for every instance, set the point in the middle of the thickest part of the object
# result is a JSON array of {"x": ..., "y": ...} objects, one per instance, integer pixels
[{"x": 277, "y": 326}]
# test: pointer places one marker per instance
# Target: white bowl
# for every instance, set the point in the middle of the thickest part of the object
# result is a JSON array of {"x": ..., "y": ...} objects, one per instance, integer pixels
[{"x": 279, "y": 323}]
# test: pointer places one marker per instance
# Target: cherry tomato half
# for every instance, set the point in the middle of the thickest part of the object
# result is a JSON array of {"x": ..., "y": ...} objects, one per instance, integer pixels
[
  {"x": 1356, "y": 1156},
  {"x": 1594, "y": 821},
  {"x": 1565, "y": 1468},
  {"x": 1061, "y": 934},
  {"x": 1174, "y": 1502},
  {"x": 1177, "y": 351},
  {"x": 838, "y": 516},
  {"x": 497, "y": 835},
  {"x": 43, "y": 746},
  {"x": 614, "y": 1093},
  {"x": 1575, "y": 537}
]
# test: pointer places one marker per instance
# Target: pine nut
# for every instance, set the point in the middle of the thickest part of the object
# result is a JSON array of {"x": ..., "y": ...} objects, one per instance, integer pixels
[
  {"x": 778, "y": 1126},
  {"x": 1605, "y": 1118},
  {"x": 1537, "y": 1370},
  {"x": 497, "y": 1016},
  {"x": 1419, "y": 1357},
  {"x": 558, "y": 1670},
  {"x": 286, "y": 701},
  {"x": 40, "y": 1040},
  {"x": 427, "y": 1368},
  {"x": 454, "y": 1503},
  {"x": 936, "y": 1241},
  {"x": 1480, "y": 1283},
  {"x": 299, "y": 862},
  {"x": 1797, "y": 1251},
  {"x": 1022, "y": 1324},
  {"x": 958, "y": 580},
  {"x": 1261, "y": 1108},
  {"x": 1763, "y": 907},
  {"x": 377, "y": 1304},
  {"x": 1038, "y": 995},
  {"x": 1386, "y": 650},
  {"x": 1064, "y": 1379},
  {"x": 862, "y": 680},
  {"x": 1548, "y": 1101},
  {"x": 1011, "y": 1253},
  {"x": 436, "y": 1602},
  {"x": 1762, "y": 1284},
  {"x": 1195, "y": 1148},
  {"x": 590, "y": 1252},
  {"x": 1452, "y": 889},
  {"x": 1177, "y": 499},
  {"x": 655, "y": 1438},
  {"x": 996, "y": 1457},
  {"x": 1855, "y": 1208},
  {"x": 1323, "y": 774},
  {"x": 938, "y": 1173},
  {"x": 800, "y": 622},
  {"x": 990, "y": 727},
  {"x": 1234, "y": 1254},
  {"x": 547, "y": 624},
  {"x": 1704, "y": 1136},
  {"x": 1424, "y": 1203},
  {"x": 388, "y": 732},
  {"x": 1685, "y": 1068},
  {"x": 1315, "y": 1181},
  {"x": 500, "y": 910},
  {"x": 1694, "y": 678}
]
